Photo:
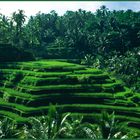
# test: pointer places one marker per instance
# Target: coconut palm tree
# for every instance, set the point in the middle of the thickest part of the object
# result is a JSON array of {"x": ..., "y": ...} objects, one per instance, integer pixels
[{"x": 19, "y": 19}]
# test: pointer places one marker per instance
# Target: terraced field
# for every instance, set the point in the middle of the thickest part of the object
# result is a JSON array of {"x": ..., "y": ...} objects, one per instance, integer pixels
[{"x": 27, "y": 89}]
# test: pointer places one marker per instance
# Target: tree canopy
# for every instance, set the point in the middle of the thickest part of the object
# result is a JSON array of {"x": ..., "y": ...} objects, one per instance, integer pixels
[{"x": 74, "y": 34}]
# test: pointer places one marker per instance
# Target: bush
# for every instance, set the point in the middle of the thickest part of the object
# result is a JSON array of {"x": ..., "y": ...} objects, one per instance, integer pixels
[
  {"x": 10, "y": 53},
  {"x": 126, "y": 67}
]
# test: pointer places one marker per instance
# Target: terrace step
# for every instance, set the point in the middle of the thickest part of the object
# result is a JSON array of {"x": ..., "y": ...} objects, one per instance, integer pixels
[
  {"x": 73, "y": 87},
  {"x": 36, "y": 81},
  {"x": 118, "y": 95},
  {"x": 20, "y": 121},
  {"x": 21, "y": 109},
  {"x": 87, "y": 108},
  {"x": 88, "y": 71},
  {"x": 29, "y": 111},
  {"x": 43, "y": 67},
  {"x": 45, "y": 99},
  {"x": 90, "y": 76},
  {"x": 112, "y": 88},
  {"x": 33, "y": 73}
]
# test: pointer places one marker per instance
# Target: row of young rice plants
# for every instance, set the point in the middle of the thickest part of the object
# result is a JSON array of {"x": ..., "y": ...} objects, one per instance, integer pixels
[{"x": 27, "y": 89}]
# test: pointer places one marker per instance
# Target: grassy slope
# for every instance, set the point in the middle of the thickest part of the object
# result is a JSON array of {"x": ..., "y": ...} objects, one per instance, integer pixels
[{"x": 28, "y": 87}]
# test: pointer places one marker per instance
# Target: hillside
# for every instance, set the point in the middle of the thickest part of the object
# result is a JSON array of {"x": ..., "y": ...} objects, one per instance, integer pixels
[{"x": 27, "y": 89}]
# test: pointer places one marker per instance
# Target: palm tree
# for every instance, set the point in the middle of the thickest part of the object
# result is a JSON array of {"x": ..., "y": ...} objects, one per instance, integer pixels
[
  {"x": 4, "y": 28},
  {"x": 19, "y": 19}
]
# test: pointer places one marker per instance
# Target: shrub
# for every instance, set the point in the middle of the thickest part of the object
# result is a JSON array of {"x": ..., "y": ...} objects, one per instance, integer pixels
[{"x": 10, "y": 53}]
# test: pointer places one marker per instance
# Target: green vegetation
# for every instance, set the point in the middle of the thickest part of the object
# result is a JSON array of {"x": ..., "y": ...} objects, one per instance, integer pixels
[
  {"x": 27, "y": 90},
  {"x": 103, "y": 39},
  {"x": 69, "y": 125},
  {"x": 82, "y": 62}
]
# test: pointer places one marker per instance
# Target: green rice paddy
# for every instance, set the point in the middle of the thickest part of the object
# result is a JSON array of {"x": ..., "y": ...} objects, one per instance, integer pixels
[{"x": 27, "y": 89}]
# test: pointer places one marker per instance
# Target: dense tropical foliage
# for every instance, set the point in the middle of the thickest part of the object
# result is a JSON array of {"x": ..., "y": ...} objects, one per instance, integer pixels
[
  {"x": 56, "y": 125},
  {"x": 108, "y": 40}
]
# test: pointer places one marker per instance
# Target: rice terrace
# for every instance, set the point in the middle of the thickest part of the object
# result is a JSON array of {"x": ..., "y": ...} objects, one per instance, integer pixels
[{"x": 68, "y": 77}]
